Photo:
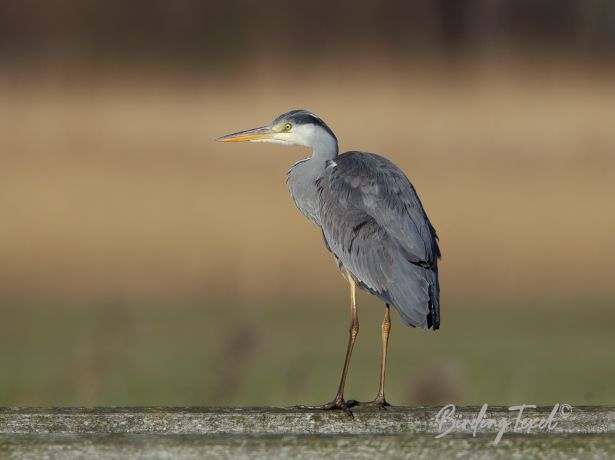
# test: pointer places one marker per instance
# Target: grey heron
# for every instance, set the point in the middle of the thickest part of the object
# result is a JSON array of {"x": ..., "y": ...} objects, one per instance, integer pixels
[{"x": 372, "y": 221}]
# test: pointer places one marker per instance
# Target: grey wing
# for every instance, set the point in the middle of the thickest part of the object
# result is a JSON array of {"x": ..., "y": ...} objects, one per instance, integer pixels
[{"x": 375, "y": 224}]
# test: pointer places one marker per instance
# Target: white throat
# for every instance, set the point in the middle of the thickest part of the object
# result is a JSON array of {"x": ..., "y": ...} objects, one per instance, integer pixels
[{"x": 323, "y": 144}]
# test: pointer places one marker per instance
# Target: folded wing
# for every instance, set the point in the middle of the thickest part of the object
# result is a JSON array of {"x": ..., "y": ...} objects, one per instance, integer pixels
[{"x": 375, "y": 224}]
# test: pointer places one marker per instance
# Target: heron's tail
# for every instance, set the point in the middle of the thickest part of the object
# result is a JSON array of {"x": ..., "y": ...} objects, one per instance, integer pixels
[
  {"x": 415, "y": 294},
  {"x": 433, "y": 319}
]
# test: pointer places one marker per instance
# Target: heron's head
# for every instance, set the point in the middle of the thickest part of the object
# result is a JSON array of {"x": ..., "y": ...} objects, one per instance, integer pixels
[{"x": 297, "y": 127}]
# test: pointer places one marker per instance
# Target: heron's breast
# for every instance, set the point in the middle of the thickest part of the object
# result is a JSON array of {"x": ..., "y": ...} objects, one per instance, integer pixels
[{"x": 302, "y": 186}]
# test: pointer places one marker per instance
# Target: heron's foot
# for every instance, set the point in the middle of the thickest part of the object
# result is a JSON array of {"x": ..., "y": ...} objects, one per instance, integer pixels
[
  {"x": 379, "y": 403},
  {"x": 336, "y": 404}
]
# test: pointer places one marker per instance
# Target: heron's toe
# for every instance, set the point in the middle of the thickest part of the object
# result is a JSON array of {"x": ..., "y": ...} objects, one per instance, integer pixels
[
  {"x": 378, "y": 403},
  {"x": 336, "y": 404}
]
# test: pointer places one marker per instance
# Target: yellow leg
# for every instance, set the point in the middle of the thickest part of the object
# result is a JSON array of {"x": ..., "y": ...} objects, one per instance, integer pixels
[
  {"x": 354, "y": 331},
  {"x": 386, "y": 329},
  {"x": 380, "y": 400},
  {"x": 339, "y": 402}
]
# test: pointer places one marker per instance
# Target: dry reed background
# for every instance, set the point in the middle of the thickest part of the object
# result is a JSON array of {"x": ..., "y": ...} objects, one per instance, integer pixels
[{"x": 116, "y": 186}]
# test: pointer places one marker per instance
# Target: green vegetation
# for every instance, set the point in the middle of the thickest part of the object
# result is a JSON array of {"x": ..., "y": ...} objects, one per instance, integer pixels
[{"x": 255, "y": 355}]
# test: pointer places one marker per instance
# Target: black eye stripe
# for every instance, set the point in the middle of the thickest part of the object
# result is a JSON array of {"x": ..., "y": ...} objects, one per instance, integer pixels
[{"x": 303, "y": 117}]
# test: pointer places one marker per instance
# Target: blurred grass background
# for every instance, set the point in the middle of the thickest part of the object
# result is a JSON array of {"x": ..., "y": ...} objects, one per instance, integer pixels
[{"x": 141, "y": 263}]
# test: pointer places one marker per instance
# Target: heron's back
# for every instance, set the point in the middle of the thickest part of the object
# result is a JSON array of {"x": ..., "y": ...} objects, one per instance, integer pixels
[{"x": 375, "y": 224}]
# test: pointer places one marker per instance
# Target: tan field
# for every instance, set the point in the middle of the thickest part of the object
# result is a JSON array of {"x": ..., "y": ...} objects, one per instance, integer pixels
[{"x": 113, "y": 186}]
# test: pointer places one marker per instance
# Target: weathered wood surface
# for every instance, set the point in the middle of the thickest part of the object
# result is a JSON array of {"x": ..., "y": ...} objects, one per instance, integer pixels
[
  {"x": 182, "y": 433},
  {"x": 271, "y": 421}
]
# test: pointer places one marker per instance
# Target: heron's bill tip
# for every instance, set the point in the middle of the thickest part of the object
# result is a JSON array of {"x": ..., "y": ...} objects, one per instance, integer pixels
[{"x": 255, "y": 134}]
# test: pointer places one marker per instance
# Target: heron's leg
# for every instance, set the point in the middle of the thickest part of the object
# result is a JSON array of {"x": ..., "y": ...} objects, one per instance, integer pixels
[
  {"x": 338, "y": 402},
  {"x": 380, "y": 400},
  {"x": 354, "y": 331},
  {"x": 386, "y": 330}
]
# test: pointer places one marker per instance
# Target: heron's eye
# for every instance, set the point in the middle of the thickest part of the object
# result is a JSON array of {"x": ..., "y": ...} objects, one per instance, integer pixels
[{"x": 287, "y": 127}]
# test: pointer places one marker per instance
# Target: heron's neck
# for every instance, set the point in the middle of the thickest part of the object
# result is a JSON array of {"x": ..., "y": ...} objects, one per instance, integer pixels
[{"x": 324, "y": 148}]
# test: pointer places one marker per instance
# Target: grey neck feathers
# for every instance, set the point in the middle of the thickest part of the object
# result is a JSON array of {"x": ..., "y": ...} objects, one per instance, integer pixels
[
  {"x": 303, "y": 175},
  {"x": 324, "y": 147}
]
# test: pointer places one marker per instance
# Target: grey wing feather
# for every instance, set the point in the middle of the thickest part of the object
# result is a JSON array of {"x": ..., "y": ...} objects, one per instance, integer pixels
[{"x": 375, "y": 224}]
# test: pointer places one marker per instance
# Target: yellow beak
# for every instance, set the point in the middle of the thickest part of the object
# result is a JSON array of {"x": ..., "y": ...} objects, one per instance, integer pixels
[{"x": 256, "y": 134}]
